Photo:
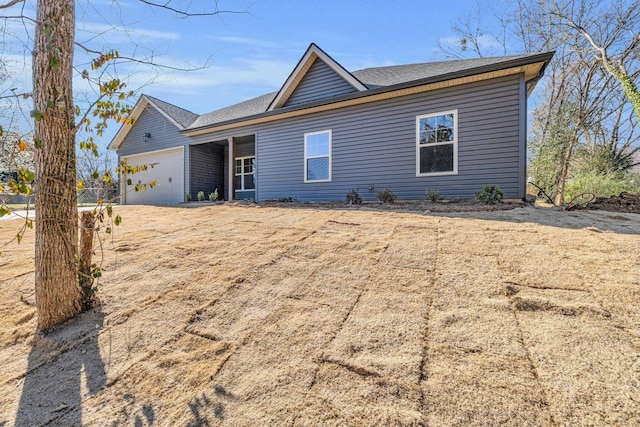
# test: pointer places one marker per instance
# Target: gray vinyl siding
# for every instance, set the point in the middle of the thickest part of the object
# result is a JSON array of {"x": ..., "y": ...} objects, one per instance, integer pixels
[
  {"x": 319, "y": 82},
  {"x": 206, "y": 167},
  {"x": 164, "y": 135},
  {"x": 375, "y": 145}
]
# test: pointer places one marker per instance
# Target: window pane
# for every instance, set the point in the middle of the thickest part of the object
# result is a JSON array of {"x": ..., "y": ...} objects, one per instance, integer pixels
[
  {"x": 427, "y": 137},
  {"x": 428, "y": 123},
  {"x": 444, "y": 134},
  {"x": 318, "y": 169},
  {"x": 248, "y": 165},
  {"x": 445, "y": 121},
  {"x": 248, "y": 182},
  {"x": 238, "y": 166},
  {"x": 437, "y": 158},
  {"x": 323, "y": 144},
  {"x": 318, "y": 145},
  {"x": 238, "y": 182}
]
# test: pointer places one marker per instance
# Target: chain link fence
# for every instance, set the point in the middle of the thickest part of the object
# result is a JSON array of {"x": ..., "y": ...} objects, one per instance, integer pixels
[{"x": 86, "y": 196}]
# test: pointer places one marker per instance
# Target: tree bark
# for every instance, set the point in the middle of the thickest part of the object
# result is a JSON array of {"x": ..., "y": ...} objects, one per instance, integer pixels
[{"x": 58, "y": 293}]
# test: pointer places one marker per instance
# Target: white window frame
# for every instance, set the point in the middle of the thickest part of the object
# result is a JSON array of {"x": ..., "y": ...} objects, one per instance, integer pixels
[
  {"x": 242, "y": 173},
  {"x": 306, "y": 135},
  {"x": 454, "y": 142}
]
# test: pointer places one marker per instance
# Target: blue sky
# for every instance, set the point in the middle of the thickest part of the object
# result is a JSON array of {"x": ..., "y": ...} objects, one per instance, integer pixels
[{"x": 250, "y": 54}]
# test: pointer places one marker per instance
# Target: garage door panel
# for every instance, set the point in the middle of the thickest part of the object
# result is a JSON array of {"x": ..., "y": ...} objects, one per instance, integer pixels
[{"x": 167, "y": 171}]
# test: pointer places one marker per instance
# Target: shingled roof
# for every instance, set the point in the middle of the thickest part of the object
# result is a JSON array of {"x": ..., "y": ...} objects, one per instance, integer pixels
[
  {"x": 183, "y": 117},
  {"x": 247, "y": 108},
  {"x": 374, "y": 78},
  {"x": 396, "y": 74},
  {"x": 373, "y": 82}
]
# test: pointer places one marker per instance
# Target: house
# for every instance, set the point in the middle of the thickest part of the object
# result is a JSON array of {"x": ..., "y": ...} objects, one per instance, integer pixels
[{"x": 450, "y": 126}]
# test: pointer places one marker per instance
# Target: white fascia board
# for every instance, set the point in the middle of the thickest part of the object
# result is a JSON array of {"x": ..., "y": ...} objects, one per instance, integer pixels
[
  {"x": 125, "y": 128},
  {"x": 301, "y": 69},
  {"x": 135, "y": 113}
]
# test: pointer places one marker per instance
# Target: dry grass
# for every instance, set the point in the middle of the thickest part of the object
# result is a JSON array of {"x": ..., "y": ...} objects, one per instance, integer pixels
[{"x": 300, "y": 316}]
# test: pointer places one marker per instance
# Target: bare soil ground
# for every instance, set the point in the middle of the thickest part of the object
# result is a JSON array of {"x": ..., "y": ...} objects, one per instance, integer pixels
[{"x": 277, "y": 315}]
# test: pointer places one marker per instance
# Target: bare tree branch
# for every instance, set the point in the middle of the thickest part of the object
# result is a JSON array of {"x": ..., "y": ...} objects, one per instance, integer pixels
[
  {"x": 185, "y": 13},
  {"x": 11, "y": 3}
]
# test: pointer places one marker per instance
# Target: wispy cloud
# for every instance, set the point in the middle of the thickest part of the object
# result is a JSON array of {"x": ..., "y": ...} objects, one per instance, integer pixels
[
  {"x": 246, "y": 41},
  {"x": 120, "y": 34}
]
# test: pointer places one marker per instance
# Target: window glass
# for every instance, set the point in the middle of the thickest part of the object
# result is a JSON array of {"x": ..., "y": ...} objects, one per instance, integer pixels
[
  {"x": 318, "y": 169},
  {"x": 248, "y": 182},
  {"x": 437, "y": 143},
  {"x": 244, "y": 179},
  {"x": 317, "y": 156},
  {"x": 436, "y": 158}
]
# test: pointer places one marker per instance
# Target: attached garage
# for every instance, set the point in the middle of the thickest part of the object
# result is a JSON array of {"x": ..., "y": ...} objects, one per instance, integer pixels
[{"x": 167, "y": 171}]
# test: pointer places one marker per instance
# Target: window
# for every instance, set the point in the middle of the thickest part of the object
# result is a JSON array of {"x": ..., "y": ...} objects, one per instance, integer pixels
[
  {"x": 244, "y": 173},
  {"x": 437, "y": 144},
  {"x": 317, "y": 156}
]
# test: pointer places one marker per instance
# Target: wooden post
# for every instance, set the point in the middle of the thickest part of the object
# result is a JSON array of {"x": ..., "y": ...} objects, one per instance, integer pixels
[
  {"x": 232, "y": 169},
  {"x": 86, "y": 250}
]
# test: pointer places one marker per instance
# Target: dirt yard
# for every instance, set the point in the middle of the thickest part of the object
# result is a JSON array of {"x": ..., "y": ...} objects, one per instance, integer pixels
[{"x": 246, "y": 315}]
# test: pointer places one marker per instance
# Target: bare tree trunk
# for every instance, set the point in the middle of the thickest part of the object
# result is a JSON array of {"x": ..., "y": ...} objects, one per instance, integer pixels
[{"x": 58, "y": 295}]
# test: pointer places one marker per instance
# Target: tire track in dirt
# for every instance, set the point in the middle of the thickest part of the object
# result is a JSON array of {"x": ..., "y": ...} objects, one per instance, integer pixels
[{"x": 427, "y": 335}]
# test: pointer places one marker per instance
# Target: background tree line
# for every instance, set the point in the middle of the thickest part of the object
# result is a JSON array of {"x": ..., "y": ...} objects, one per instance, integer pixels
[{"x": 584, "y": 135}]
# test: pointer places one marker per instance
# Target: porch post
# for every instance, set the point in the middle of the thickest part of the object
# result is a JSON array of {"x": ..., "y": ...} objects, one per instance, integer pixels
[{"x": 232, "y": 169}]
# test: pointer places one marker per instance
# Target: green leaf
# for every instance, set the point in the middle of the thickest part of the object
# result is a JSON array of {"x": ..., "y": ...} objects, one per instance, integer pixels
[
  {"x": 109, "y": 210},
  {"x": 26, "y": 176},
  {"x": 95, "y": 175},
  {"x": 4, "y": 211},
  {"x": 117, "y": 220},
  {"x": 37, "y": 142},
  {"x": 37, "y": 115},
  {"x": 1, "y": 131}
]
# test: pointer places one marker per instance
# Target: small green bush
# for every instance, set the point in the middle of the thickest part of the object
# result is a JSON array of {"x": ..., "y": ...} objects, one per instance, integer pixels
[
  {"x": 288, "y": 199},
  {"x": 213, "y": 196},
  {"x": 353, "y": 197},
  {"x": 187, "y": 197},
  {"x": 200, "y": 196},
  {"x": 386, "y": 196},
  {"x": 601, "y": 184},
  {"x": 490, "y": 194},
  {"x": 432, "y": 195}
]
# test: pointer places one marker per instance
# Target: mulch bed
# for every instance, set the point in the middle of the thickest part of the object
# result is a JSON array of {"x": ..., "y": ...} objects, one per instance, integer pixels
[
  {"x": 457, "y": 205},
  {"x": 625, "y": 202}
]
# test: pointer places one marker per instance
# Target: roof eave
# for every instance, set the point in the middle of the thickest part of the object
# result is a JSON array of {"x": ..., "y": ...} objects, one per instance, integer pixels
[{"x": 135, "y": 113}]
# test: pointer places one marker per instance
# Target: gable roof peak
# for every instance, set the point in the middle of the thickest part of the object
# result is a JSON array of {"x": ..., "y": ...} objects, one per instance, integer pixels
[
  {"x": 181, "y": 117},
  {"x": 312, "y": 54}
]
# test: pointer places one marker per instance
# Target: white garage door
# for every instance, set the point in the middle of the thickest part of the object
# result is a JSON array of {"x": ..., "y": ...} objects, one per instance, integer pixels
[{"x": 167, "y": 171}]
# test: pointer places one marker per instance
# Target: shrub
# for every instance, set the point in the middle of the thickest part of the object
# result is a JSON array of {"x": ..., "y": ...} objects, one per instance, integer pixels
[
  {"x": 200, "y": 196},
  {"x": 288, "y": 199},
  {"x": 386, "y": 196},
  {"x": 490, "y": 194},
  {"x": 600, "y": 184},
  {"x": 432, "y": 195},
  {"x": 353, "y": 197},
  {"x": 187, "y": 197},
  {"x": 213, "y": 196}
]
